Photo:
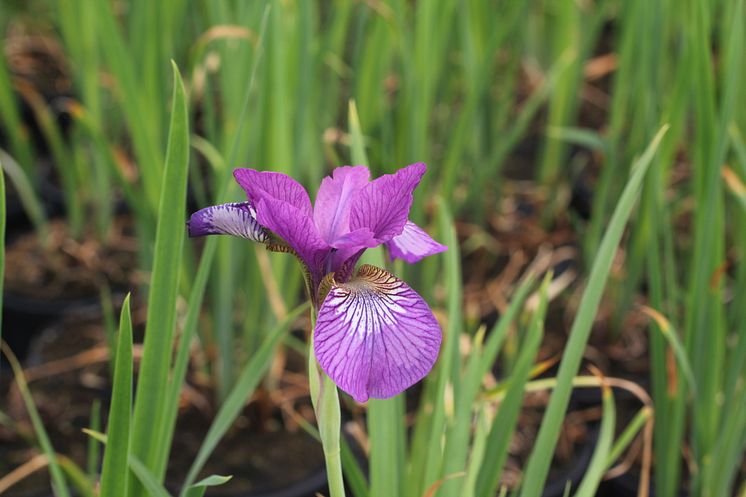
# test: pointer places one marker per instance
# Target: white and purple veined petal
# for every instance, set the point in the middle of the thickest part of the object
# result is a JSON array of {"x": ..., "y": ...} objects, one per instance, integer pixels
[
  {"x": 237, "y": 219},
  {"x": 413, "y": 244},
  {"x": 375, "y": 336}
]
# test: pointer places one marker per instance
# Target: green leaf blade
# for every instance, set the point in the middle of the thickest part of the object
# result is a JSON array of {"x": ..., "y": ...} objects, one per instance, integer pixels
[
  {"x": 115, "y": 473},
  {"x": 540, "y": 459},
  {"x": 242, "y": 390},
  {"x": 154, "y": 367}
]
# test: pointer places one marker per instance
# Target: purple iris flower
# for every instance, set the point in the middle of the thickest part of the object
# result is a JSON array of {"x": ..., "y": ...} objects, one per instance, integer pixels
[{"x": 374, "y": 335}]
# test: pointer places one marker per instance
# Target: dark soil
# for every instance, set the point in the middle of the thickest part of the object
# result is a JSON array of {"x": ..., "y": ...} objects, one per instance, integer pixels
[
  {"x": 68, "y": 269},
  {"x": 67, "y": 370}
]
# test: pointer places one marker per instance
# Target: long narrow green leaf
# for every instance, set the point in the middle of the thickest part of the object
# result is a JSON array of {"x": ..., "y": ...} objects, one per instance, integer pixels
[
  {"x": 30, "y": 201},
  {"x": 58, "y": 479},
  {"x": 354, "y": 477},
  {"x": 597, "y": 466},
  {"x": 178, "y": 374},
  {"x": 672, "y": 337},
  {"x": 496, "y": 337},
  {"x": 630, "y": 432},
  {"x": 93, "y": 450},
  {"x": 243, "y": 389},
  {"x": 143, "y": 130},
  {"x": 150, "y": 400},
  {"x": 199, "y": 488},
  {"x": 146, "y": 478},
  {"x": 384, "y": 421},
  {"x": 115, "y": 473},
  {"x": 385, "y": 426},
  {"x": 504, "y": 424},
  {"x": 11, "y": 118},
  {"x": 541, "y": 455},
  {"x": 78, "y": 478},
  {"x": 476, "y": 458},
  {"x": 446, "y": 373}
]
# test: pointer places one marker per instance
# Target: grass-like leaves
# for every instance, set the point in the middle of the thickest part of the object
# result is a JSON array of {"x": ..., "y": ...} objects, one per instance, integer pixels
[
  {"x": 150, "y": 402},
  {"x": 538, "y": 464},
  {"x": 115, "y": 472}
]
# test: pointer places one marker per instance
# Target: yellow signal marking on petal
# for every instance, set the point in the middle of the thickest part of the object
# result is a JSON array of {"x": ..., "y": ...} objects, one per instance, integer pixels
[
  {"x": 325, "y": 287},
  {"x": 379, "y": 279}
]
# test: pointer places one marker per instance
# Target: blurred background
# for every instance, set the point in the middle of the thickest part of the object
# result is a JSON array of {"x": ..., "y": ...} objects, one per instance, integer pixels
[{"x": 529, "y": 115}]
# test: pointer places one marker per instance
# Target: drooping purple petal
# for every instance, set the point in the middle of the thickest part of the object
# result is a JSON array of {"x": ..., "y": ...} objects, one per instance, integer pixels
[
  {"x": 383, "y": 205},
  {"x": 413, "y": 244},
  {"x": 297, "y": 230},
  {"x": 238, "y": 219},
  {"x": 375, "y": 336},
  {"x": 331, "y": 211},
  {"x": 259, "y": 185}
]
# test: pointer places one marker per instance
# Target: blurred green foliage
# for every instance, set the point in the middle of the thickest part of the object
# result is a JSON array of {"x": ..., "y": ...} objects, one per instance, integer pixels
[{"x": 559, "y": 92}]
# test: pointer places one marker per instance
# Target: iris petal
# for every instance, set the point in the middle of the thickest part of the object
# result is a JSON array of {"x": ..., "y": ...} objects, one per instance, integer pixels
[
  {"x": 298, "y": 231},
  {"x": 238, "y": 219},
  {"x": 375, "y": 336},
  {"x": 413, "y": 244},
  {"x": 383, "y": 204},
  {"x": 259, "y": 185},
  {"x": 331, "y": 211}
]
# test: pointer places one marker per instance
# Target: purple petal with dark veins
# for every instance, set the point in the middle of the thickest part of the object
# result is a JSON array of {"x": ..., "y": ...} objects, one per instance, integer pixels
[
  {"x": 383, "y": 205},
  {"x": 238, "y": 219},
  {"x": 413, "y": 244},
  {"x": 375, "y": 336},
  {"x": 297, "y": 229},
  {"x": 350, "y": 244},
  {"x": 259, "y": 185},
  {"x": 331, "y": 211}
]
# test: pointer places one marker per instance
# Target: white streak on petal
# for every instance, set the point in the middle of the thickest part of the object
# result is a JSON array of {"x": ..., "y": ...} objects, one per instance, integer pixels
[
  {"x": 238, "y": 219},
  {"x": 375, "y": 336}
]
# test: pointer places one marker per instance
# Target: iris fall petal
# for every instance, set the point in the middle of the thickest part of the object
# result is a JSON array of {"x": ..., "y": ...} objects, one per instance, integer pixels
[
  {"x": 238, "y": 219},
  {"x": 375, "y": 336}
]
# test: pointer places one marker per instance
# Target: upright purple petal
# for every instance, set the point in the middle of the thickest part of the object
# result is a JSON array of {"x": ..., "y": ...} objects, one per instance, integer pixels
[
  {"x": 413, "y": 244},
  {"x": 383, "y": 205},
  {"x": 296, "y": 228},
  {"x": 331, "y": 211},
  {"x": 260, "y": 185},
  {"x": 375, "y": 336},
  {"x": 238, "y": 219}
]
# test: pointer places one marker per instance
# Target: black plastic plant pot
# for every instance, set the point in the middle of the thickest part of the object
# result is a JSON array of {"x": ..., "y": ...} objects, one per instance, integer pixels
[
  {"x": 24, "y": 318},
  {"x": 626, "y": 485},
  {"x": 575, "y": 472},
  {"x": 310, "y": 486}
]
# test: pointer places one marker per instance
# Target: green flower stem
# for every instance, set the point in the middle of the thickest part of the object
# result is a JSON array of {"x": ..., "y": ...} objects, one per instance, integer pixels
[{"x": 325, "y": 401}]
